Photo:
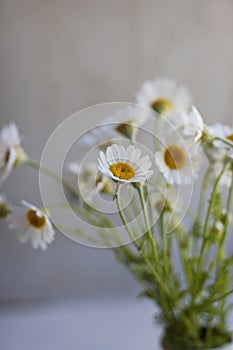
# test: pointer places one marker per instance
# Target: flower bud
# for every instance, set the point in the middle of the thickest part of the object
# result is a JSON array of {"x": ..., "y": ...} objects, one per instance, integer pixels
[{"x": 5, "y": 208}]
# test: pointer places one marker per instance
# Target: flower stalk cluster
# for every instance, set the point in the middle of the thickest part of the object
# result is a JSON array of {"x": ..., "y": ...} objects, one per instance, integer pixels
[{"x": 180, "y": 256}]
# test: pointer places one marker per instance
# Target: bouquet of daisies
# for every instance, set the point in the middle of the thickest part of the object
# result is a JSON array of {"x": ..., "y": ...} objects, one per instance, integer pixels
[{"x": 179, "y": 253}]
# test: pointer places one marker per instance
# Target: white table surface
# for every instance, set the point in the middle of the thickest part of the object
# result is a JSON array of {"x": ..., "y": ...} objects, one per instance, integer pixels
[{"x": 111, "y": 324}]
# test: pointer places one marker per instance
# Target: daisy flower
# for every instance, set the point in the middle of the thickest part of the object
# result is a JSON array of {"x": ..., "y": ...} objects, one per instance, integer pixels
[
  {"x": 177, "y": 161},
  {"x": 90, "y": 181},
  {"x": 217, "y": 150},
  {"x": 190, "y": 124},
  {"x": 32, "y": 225},
  {"x": 224, "y": 132},
  {"x": 11, "y": 153},
  {"x": 124, "y": 122},
  {"x": 164, "y": 96},
  {"x": 125, "y": 165},
  {"x": 5, "y": 207}
]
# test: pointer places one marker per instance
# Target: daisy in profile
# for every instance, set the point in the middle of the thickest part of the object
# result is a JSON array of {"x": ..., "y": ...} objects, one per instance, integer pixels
[
  {"x": 11, "y": 153},
  {"x": 125, "y": 165},
  {"x": 32, "y": 225},
  {"x": 164, "y": 96},
  {"x": 224, "y": 132},
  {"x": 177, "y": 160},
  {"x": 189, "y": 124},
  {"x": 125, "y": 122},
  {"x": 89, "y": 181}
]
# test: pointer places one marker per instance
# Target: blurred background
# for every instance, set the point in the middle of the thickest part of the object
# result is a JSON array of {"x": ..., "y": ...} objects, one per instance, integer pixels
[{"x": 58, "y": 57}]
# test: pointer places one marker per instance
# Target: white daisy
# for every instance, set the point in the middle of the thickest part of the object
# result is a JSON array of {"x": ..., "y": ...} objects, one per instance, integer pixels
[
  {"x": 190, "y": 124},
  {"x": 11, "y": 154},
  {"x": 217, "y": 150},
  {"x": 164, "y": 96},
  {"x": 5, "y": 207},
  {"x": 124, "y": 122},
  {"x": 177, "y": 160},
  {"x": 90, "y": 181},
  {"x": 224, "y": 132},
  {"x": 125, "y": 165},
  {"x": 32, "y": 225}
]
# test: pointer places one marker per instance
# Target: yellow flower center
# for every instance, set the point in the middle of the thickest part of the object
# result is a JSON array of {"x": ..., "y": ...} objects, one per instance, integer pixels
[
  {"x": 20, "y": 156},
  {"x": 162, "y": 105},
  {"x": 36, "y": 221},
  {"x": 230, "y": 137},
  {"x": 174, "y": 157},
  {"x": 127, "y": 128},
  {"x": 122, "y": 170}
]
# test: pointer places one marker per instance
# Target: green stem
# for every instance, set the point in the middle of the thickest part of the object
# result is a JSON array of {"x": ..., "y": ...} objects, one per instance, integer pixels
[
  {"x": 208, "y": 216},
  {"x": 123, "y": 219},
  {"x": 214, "y": 300},
  {"x": 80, "y": 210},
  {"x": 166, "y": 293},
  {"x": 200, "y": 210},
  {"x": 223, "y": 239},
  {"x": 226, "y": 141},
  {"x": 151, "y": 236},
  {"x": 36, "y": 165},
  {"x": 150, "y": 264},
  {"x": 228, "y": 209},
  {"x": 226, "y": 227},
  {"x": 183, "y": 247},
  {"x": 164, "y": 245},
  {"x": 201, "y": 205}
]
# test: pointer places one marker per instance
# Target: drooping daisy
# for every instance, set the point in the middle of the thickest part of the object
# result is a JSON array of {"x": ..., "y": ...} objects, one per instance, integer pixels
[
  {"x": 5, "y": 207},
  {"x": 177, "y": 160},
  {"x": 11, "y": 153},
  {"x": 224, "y": 132},
  {"x": 90, "y": 182},
  {"x": 216, "y": 150},
  {"x": 164, "y": 96},
  {"x": 124, "y": 122},
  {"x": 190, "y": 124},
  {"x": 32, "y": 225},
  {"x": 125, "y": 165}
]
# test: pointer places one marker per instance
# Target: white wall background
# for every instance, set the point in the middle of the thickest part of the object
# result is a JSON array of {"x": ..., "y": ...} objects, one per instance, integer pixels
[{"x": 60, "y": 56}]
